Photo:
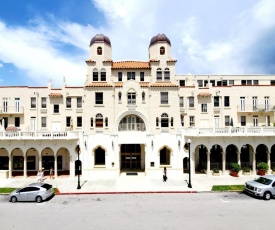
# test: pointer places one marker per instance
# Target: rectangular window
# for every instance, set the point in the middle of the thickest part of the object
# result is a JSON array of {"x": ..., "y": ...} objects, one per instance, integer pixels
[
  {"x": 182, "y": 82},
  {"x": 255, "y": 82},
  {"x": 119, "y": 76},
  {"x": 182, "y": 120},
  {"x": 181, "y": 102},
  {"x": 68, "y": 122},
  {"x": 43, "y": 102},
  {"x": 95, "y": 76},
  {"x": 103, "y": 76},
  {"x": 166, "y": 75},
  {"x": 191, "y": 102},
  {"x": 141, "y": 76},
  {"x": 17, "y": 121},
  {"x": 243, "y": 82},
  {"x": 249, "y": 82},
  {"x": 219, "y": 83},
  {"x": 79, "y": 102},
  {"x": 68, "y": 102},
  {"x": 192, "y": 121},
  {"x": 33, "y": 102},
  {"x": 231, "y": 82},
  {"x": 43, "y": 122},
  {"x": 79, "y": 121},
  {"x": 55, "y": 108},
  {"x": 272, "y": 82},
  {"x": 224, "y": 82},
  {"x": 99, "y": 98},
  {"x": 226, "y": 101},
  {"x": 164, "y": 98},
  {"x": 204, "y": 108},
  {"x": 131, "y": 98},
  {"x": 243, "y": 120},
  {"x": 212, "y": 82},
  {"x": 131, "y": 76},
  {"x": 216, "y": 101},
  {"x": 227, "y": 120},
  {"x": 200, "y": 83},
  {"x": 159, "y": 75}
]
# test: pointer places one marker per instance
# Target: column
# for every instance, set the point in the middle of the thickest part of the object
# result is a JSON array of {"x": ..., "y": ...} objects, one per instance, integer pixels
[
  {"x": 10, "y": 166},
  {"x": 239, "y": 158},
  {"x": 208, "y": 163},
  {"x": 25, "y": 166},
  {"x": 268, "y": 162},
  {"x": 71, "y": 167},
  {"x": 39, "y": 162},
  {"x": 223, "y": 163},
  {"x": 55, "y": 166},
  {"x": 254, "y": 163}
]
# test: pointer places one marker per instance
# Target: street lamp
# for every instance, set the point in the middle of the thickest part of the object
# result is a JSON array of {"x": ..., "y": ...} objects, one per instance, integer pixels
[
  {"x": 78, "y": 167},
  {"x": 189, "y": 183}
]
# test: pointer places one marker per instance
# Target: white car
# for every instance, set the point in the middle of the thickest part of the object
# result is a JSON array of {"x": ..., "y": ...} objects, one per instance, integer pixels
[
  {"x": 263, "y": 186},
  {"x": 33, "y": 192}
]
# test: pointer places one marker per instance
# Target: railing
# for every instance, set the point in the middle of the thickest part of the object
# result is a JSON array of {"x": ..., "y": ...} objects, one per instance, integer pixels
[
  {"x": 132, "y": 127},
  {"x": 39, "y": 135},
  {"x": 230, "y": 131},
  {"x": 11, "y": 109},
  {"x": 256, "y": 108}
]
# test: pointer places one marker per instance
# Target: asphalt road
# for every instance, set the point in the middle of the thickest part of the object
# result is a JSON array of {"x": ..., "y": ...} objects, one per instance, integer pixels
[{"x": 229, "y": 210}]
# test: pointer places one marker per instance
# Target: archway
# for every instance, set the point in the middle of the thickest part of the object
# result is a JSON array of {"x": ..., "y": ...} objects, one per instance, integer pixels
[
  {"x": 201, "y": 159},
  {"x": 246, "y": 156},
  {"x": 231, "y": 155},
  {"x": 216, "y": 157},
  {"x": 261, "y": 153}
]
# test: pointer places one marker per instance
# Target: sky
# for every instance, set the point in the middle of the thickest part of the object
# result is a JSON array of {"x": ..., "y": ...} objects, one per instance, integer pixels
[{"x": 48, "y": 40}]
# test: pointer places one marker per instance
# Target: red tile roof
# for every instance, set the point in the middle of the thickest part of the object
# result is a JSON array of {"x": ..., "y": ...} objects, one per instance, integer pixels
[
  {"x": 55, "y": 95},
  {"x": 99, "y": 84},
  {"x": 131, "y": 65},
  {"x": 204, "y": 94},
  {"x": 164, "y": 84}
]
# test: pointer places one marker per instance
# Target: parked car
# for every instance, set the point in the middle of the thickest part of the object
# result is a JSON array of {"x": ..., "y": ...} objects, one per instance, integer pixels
[
  {"x": 263, "y": 186},
  {"x": 33, "y": 192}
]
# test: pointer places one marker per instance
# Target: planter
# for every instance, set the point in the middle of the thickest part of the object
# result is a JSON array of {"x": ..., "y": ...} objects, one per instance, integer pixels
[
  {"x": 246, "y": 173},
  {"x": 261, "y": 172},
  {"x": 234, "y": 173},
  {"x": 215, "y": 173}
]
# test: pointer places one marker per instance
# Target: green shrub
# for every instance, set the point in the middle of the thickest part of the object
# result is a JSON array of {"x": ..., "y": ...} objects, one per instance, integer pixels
[
  {"x": 262, "y": 166},
  {"x": 235, "y": 167}
]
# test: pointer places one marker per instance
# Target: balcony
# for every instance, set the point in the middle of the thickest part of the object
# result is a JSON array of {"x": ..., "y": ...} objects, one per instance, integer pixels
[
  {"x": 255, "y": 109},
  {"x": 38, "y": 135},
  {"x": 229, "y": 131},
  {"x": 11, "y": 110}
]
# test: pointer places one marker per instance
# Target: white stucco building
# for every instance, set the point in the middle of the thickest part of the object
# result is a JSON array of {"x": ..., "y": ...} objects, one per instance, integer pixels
[{"x": 134, "y": 116}]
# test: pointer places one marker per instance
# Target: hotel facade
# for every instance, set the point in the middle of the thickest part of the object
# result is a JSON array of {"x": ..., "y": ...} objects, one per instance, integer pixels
[{"x": 138, "y": 116}]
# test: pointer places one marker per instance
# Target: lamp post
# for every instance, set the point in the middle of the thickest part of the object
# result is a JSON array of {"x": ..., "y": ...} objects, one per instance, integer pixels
[
  {"x": 189, "y": 168},
  {"x": 78, "y": 172}
]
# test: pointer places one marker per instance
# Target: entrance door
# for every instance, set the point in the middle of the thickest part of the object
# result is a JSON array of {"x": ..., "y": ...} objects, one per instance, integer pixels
[{"x": 130, "y": 157}]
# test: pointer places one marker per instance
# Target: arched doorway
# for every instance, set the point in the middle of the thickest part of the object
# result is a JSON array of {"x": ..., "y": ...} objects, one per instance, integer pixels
[
  {"x": 201, "y": 158},
  {"x": 246, "y": 156},
  {"x": 231, "y": 155},
  {"x": 216, "y": 157},
  {"x": 261, "y": 153}
]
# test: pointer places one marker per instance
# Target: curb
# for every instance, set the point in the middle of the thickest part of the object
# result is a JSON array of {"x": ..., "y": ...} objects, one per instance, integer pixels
[{"x": 134, "y": 192}]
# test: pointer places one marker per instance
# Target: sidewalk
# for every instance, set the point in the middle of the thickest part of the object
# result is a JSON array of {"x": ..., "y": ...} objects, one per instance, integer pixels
[{"x": 132, "y": 184}]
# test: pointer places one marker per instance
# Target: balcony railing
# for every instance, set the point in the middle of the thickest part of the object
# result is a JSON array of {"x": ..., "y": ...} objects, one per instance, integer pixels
[
  {"x": 11, "y": 109},
  {"x": 255, "y": 109},
  {"x": 230, "y": 131},
  {"x": 39, "y": 135}
]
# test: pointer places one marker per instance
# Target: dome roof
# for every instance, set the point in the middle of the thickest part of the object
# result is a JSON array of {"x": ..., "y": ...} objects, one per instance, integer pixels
[
  {"x": 100, "y": 38},
  {"x": 160, "y": 38}
]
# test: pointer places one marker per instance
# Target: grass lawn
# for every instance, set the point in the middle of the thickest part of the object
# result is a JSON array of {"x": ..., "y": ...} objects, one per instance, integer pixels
[{"x": 218, "y": 188}]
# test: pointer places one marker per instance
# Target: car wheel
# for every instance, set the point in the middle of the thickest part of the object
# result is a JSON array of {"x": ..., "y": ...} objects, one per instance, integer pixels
[
  {"x": 38, "y": 199},
  {"x": 13, "y": 199},
  {"x": 267, "y": 195}
]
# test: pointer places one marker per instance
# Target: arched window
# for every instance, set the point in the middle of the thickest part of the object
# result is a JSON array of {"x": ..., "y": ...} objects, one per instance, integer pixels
[
  {"x": 164, "y": 156},
  {"x": 166, "y": 74},
  {"x": 159, "y": 74},
  {"x": 99, "y": 50},
  {"x": 99, "y": 120},
  {"x": 95, "y": 74},
  {"x": 99, "y": 156},
  {"x": 103, "y": 74},
  {"x": 162, "y": 50},
  {"x": 131, "y": 123},
  {"x": 164, "y": 120},
  {"x": 119, "y": 96},
  {"x": 143, "y": 96}
]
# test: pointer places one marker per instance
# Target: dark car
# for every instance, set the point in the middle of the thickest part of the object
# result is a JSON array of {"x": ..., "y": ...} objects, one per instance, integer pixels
[{"x": 33, "y": 192}]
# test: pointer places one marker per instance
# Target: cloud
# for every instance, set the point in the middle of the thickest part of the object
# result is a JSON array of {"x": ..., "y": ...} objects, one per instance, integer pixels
[{"x": 1, "y": 65}]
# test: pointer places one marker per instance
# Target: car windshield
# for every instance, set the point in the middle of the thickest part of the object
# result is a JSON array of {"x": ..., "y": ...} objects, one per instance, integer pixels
[
  {"x": 263, "y": 180},
  {"x": 46, "y": 186}
]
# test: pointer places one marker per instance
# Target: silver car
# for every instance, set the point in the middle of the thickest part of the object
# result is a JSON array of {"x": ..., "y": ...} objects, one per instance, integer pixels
[
  {"x": 33, "y": 192},
  {"x": 263, "y": 186}
]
